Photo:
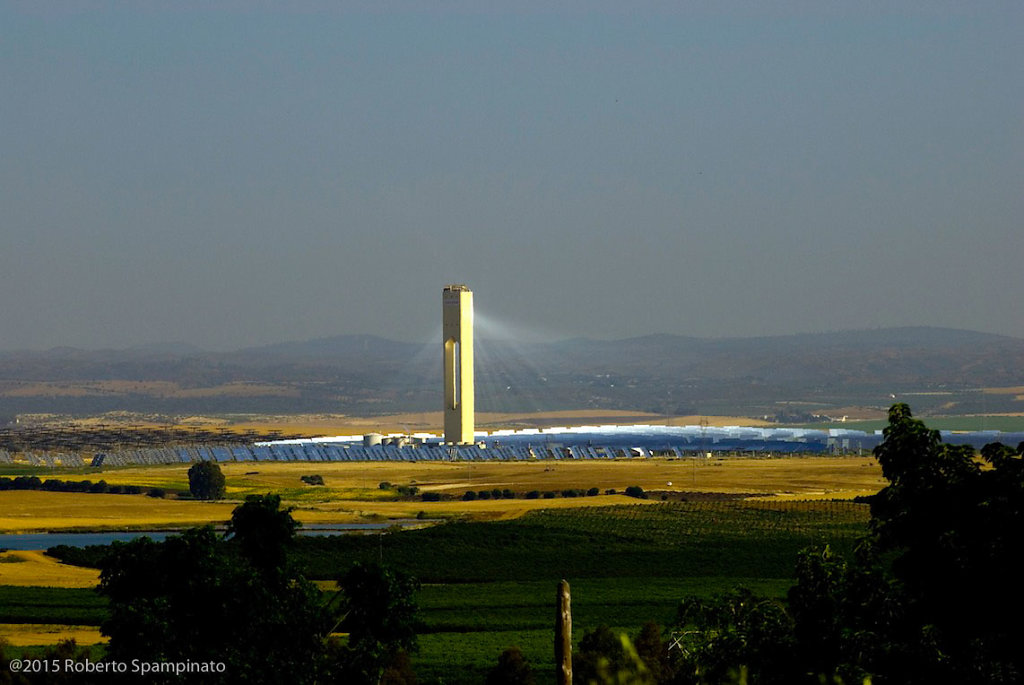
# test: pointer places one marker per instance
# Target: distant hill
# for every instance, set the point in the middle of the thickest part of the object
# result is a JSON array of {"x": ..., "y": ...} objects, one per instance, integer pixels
[{"x": 942, "y": 369}]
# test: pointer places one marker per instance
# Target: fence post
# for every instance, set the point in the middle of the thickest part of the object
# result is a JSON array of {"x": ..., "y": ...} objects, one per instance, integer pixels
[{"x": 563, "y": 636}]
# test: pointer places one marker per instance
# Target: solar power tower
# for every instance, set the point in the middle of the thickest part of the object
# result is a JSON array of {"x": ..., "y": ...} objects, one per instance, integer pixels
[{"x": 457, "y": 327}]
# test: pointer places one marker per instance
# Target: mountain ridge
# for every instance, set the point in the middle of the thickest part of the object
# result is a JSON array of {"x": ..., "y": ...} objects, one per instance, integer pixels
[{"x": 664, "y": 373}]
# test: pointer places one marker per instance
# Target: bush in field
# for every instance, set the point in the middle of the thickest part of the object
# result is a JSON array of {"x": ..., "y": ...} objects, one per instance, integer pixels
[
  {"x": 533, "y": 494},
  {"x": 157, "y": 492},
  {"x": 484, "y": 494},
  {"x": 496, "y": 493},
  {"x": 611, "y": 491},
  {"x": 508, "y": 494},
  {"x": 549, "y": 495},
  {"x": 430, "y": 497},
  {"x": 469, "y": 496},
  {"x": 205, "y": 480},
  {"x": 314, "y": 479},
  {"x": 593, "y": 492},
  {"x": 384, "y": 485},
  {"x": 512, "y": 669},
  {"x": 636, "y": 491},
  {"x": 407, "y": 490}
]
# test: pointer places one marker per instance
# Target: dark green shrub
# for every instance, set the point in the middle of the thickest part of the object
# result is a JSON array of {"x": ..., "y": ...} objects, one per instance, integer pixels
[{"x": 636, "y": 491}]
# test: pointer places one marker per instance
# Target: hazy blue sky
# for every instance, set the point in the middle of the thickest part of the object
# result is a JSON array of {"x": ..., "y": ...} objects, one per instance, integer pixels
[{"x": 235, "y": 173}]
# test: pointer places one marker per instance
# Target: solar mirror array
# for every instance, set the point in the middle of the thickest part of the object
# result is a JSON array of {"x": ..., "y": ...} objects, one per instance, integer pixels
[{"x": 579, "y": 443}]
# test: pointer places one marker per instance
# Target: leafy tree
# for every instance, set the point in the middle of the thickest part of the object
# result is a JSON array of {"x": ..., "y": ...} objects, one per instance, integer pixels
[
  {"x": 263, "y": 530},
  {"x": 733, "y": 633},
  {"x": 931, "y": 595},
  {"x": 379, "y": 615},
  {"x": 953, "y": 529},
  {"x": 205, "y": 480},
  {"x": 194, "y": 598},
  {"x": 512, "y": 669}
]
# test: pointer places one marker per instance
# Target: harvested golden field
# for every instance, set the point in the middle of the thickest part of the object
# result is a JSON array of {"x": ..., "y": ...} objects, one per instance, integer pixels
[
  {"x": 33, "y": 568},
  {"x": 29, "y": 634},
  {"x": 351, "y": 493},
  {"x": 24, "y": 511}
]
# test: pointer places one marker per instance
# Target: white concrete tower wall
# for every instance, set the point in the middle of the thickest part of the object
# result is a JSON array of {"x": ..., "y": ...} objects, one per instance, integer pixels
[{"x": 457, "y": 327}]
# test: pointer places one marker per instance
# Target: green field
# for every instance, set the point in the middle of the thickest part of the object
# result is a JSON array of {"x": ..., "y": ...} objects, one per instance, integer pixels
[
  {"x": 487, "y": 586},
  {"x": 75, "y": 606}
]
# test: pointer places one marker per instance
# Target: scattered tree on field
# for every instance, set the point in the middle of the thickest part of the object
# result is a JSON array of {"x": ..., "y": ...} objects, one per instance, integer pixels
[{"x": 205, "y": 480}]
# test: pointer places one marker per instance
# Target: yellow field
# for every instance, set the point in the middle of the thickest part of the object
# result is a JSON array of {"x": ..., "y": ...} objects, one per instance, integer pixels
[
  {"x": 28, "y": 634},
  {"x": 35, "y": 511},
  {"x": 35, "y": 568},
  {"x": 351, "y": 490}
]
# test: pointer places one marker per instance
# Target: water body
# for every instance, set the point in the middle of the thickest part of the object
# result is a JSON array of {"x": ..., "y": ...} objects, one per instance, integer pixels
[{"x": 24, "y": 541}]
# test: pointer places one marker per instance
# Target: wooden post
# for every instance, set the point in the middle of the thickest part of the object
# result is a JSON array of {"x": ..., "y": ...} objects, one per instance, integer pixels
[{"x": 563, "y": 636}]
